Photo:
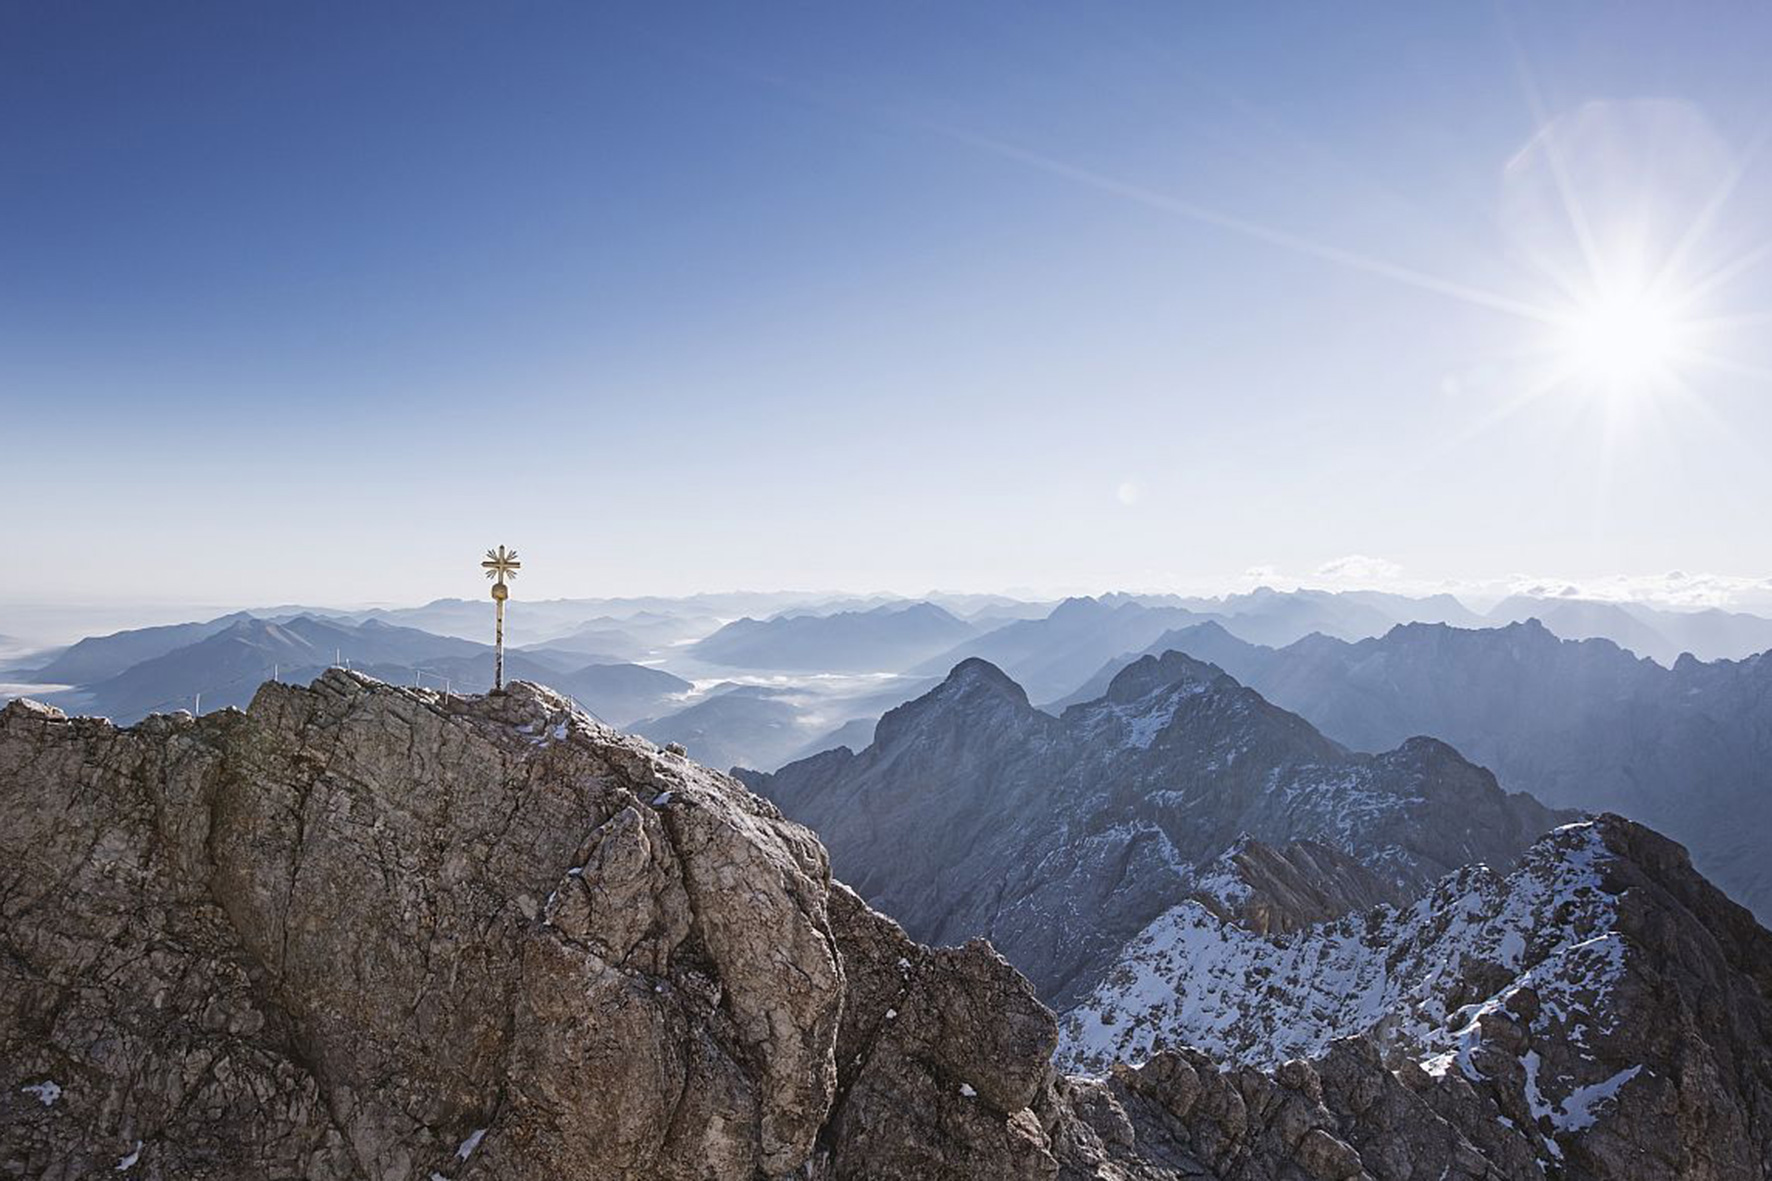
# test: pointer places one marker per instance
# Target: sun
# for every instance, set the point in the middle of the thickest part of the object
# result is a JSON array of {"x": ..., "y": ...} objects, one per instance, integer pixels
[{"x": 1627, "y": 340}]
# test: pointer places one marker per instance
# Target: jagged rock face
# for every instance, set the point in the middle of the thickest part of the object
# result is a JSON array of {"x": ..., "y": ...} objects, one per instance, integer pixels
[
  {"x": 941, "y": 1056},
  {"x": 1271, "y": 890},
  {"x": 1609, "y": 1009},
  {"x": 340, "y": 935},
  {"x": 1059, "y": 838}
]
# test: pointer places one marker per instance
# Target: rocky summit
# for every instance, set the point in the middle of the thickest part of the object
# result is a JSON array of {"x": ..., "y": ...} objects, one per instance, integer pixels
[{"x": 361, "y": 932}]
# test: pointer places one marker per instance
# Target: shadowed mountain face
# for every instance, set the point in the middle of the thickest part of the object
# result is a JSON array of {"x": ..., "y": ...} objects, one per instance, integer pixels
[
  {"x": 974, "y": 813},
  {"x": 1577, "y": 723},
  {"x": 886, "y": 639}
]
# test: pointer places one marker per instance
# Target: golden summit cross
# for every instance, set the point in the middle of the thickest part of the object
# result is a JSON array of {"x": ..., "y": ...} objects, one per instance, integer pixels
[{"x": 499, "y": 565}]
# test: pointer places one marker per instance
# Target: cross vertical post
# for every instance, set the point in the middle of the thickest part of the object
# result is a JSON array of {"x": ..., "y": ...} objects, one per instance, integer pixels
[
  {"x": 499, "y": 565},
  {"x": 498, "y": 647}
]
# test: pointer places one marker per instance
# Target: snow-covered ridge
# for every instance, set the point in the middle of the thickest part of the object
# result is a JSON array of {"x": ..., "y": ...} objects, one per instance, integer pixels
[{"x": 1421, "y": 977}]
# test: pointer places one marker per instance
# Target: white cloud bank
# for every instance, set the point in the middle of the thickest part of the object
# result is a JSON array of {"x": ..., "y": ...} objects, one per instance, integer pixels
[{"x": 1674, "y": 589}]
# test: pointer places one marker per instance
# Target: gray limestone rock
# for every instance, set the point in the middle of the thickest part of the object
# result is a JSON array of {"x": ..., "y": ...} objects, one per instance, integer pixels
[{"x": 346, "y": 931}]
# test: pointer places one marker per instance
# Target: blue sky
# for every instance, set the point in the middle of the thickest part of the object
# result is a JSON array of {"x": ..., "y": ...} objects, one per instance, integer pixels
[{"x": 314, "y": 302}]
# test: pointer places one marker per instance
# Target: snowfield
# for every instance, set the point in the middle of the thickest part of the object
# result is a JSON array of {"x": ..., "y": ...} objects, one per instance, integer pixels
[{"x": 1404, "y": 975}]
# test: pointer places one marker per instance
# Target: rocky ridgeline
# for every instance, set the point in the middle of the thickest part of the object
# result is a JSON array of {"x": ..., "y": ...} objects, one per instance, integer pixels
[
  {"x": 1578, "y": 723},
  {"x": 378, "y": 933},
  {"x": 1268, "y": 890},
  {"x": 1061, "y": 838},
  {"x": 1610, "y": 1007}
]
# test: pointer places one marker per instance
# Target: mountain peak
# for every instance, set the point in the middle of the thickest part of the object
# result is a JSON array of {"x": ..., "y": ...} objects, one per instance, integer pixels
[
  {"x": 921, "y": 609},
  {"x": 1210, "y": 628},
  {"x": 1079, "y": 607},
  {"x": 1148, "y": 674},
  {"x": 977, "y": 698},
  {"x": 975, "y": 674}
]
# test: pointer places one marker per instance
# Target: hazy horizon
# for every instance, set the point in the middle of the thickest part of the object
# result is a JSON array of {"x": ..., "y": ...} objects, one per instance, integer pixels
[
  {"x": 50, "y": 622},
  {"x": 1674, "y": 590}
]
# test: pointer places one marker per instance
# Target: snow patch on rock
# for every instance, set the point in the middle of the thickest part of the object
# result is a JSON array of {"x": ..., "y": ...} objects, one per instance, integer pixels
[{"x": 1190, "y": 978}]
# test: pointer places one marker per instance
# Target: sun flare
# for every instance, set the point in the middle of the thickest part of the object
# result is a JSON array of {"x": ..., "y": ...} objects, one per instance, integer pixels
[{"x": 1624, "y": 341}]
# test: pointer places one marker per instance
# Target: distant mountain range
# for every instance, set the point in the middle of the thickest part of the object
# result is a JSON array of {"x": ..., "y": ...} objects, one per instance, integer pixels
[
  {"x": 1268, "y": 616},
  {"x": 98, "y": 658},
  {"x": 734, "y": 725},
  {"x": 1053, "y": 654},
  {"x": 813, "y": 654},
  {"x": 631, "y": 638},
  {"x": 230, "y": 662},
  {"x": 1264, "y": 616},
  {"x": 542, "y": 620},
  {"x": 885, "y": 639},
  {"x": 1059, "y": 838},
  {"x": 1276, "y": 618},
  {"x": 158, "y": 670},
  {"x": 1659, "y": 634},
  {"x": 1578, "y": 723}
]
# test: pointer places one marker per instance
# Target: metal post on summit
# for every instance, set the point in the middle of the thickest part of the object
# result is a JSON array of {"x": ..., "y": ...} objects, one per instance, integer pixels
[{"x": 499, "y": 565}]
